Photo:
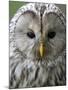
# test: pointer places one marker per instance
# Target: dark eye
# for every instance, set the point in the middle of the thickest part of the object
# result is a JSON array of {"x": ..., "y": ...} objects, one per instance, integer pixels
[
  {"x": 31, "y": 34},
  {"x": 51, "y": 34}
]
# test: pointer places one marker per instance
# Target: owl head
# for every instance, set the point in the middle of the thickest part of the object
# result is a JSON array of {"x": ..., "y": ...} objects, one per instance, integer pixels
[{"x": 40, "y": 31}]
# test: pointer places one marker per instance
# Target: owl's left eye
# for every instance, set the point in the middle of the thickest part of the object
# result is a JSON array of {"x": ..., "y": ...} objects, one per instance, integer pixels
[
  {"x": 51, "y": 34},
  {"x": 31, "y": 34}
]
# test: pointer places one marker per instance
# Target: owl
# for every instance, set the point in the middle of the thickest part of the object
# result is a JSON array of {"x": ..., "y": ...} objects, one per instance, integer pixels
[{"x": 37, "y": 44}]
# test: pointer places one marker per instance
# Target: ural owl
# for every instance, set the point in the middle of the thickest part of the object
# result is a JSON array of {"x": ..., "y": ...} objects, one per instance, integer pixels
[{"x": 37, "y": 46}]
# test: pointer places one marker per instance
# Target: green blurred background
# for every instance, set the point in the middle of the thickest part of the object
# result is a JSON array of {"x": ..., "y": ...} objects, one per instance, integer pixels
[{"x": 15, "y": 5}]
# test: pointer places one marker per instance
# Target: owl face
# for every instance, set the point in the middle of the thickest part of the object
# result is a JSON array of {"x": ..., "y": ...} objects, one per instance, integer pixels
[{"x": 40, "y": 37}]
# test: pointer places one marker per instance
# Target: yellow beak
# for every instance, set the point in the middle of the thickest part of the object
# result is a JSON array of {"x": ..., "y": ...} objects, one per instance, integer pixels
[{"x": 41, "y": 49}]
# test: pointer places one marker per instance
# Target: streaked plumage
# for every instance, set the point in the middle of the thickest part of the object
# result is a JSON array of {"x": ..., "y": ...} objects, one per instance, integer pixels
[{"x": 37, "y": 46}]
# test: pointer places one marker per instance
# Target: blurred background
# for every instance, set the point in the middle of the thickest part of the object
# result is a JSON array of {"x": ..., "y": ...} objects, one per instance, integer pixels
[{"x": 15, "y": 5}]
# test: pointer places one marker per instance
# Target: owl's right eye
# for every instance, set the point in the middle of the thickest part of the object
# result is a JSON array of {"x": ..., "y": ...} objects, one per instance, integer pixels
[{"x": 31, "y": 34}]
